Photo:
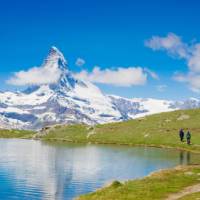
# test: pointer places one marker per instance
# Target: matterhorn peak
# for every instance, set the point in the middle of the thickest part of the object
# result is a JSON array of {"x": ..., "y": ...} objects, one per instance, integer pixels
[
  {"x": 54, "y": 51},
  {"x": 55, "y": 66},
  {"x": 56, "y": 62},
  {"x": 55, "y": 59}
]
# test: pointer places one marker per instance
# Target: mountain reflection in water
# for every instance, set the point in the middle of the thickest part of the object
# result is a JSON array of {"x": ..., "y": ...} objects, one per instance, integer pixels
[{"x": 36, "y": 170}]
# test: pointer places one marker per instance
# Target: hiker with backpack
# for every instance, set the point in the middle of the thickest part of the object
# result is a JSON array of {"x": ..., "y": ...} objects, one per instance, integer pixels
[{"x": 188, "y": 137}]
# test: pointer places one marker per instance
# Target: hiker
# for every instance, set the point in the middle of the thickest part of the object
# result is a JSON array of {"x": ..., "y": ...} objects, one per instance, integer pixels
[
  {"x": 188, "y": 137},
  {"x": 181, "y": 135}
]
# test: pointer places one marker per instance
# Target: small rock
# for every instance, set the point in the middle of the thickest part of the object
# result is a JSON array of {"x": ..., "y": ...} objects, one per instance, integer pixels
[
  {"x": 183, "y": 117},
  {"x": 167, "y": 120},
  {"x": 189, "y": 173}
]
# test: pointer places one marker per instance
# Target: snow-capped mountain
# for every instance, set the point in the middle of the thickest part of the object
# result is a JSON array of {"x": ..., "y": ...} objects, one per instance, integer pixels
[
  {"x": 68, "y": 101},
  {"x": 71, "y": 100}
]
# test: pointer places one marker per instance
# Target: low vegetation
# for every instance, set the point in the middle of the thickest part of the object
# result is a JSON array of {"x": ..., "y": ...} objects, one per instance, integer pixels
[
  {"x": 157, "y": 186},
  {"x": 71, "y": 133},
  {"x": 160, "y": 130},
  {"x": 16, "y": 134}
]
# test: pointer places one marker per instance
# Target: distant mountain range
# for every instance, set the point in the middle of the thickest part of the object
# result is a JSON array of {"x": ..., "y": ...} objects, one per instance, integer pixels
[{"x": 71, "y": 100}]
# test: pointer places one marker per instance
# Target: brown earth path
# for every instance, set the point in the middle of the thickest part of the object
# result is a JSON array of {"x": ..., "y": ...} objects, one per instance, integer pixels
[{"x": 186, "y": 191}]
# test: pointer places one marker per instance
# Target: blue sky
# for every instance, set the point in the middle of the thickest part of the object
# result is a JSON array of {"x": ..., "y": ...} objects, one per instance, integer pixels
[{"x": 108, "y": 34}]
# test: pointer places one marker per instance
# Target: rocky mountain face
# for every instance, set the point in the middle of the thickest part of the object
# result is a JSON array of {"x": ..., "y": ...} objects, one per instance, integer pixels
[{"x": 71, "y": 100}]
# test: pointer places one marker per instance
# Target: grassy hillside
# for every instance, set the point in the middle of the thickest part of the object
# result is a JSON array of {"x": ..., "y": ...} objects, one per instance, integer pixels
[
  {"x": 155, "y": 130},
  {"x": 155, "y": 187},
  {"x": 16, "y": 134}
]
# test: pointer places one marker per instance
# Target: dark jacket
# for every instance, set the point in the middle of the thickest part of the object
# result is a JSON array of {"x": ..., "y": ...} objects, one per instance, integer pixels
[{"x": 181, "y": 133}]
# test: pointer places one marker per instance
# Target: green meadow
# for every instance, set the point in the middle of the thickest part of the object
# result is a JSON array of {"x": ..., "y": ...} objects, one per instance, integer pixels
[{"x": 159, "y": 130}]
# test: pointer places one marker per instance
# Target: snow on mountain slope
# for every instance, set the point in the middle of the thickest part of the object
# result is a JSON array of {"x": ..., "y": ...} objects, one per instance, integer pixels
[
  {"x": 154, "y": 106},
  {"x": 138, "y": 107},
  {"x": 70, "y": 100}
]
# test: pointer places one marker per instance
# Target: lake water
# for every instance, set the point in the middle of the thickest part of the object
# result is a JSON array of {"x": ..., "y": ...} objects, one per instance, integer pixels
[{"x": 38, "y": 171}]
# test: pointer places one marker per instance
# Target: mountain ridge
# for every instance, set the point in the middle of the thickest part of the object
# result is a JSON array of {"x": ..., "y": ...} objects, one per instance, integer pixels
[{"x": 70, "y": 100}]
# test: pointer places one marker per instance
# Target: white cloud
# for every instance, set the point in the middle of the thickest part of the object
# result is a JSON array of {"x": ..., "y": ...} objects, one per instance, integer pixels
[
  {"x": 192, "y": 79},
  {"x": 80, "y": 62},
  {"x": 124, "y": 77},
  {"x": 173, "y": 45},
  {"x": 194, "y": 59},
  {"x": 161, "y": 88},
  {"x": 35, "y": 76}
]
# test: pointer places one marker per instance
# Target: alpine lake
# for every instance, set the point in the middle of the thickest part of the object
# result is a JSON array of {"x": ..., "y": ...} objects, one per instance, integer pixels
[{"x": 36, "y": 170}]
